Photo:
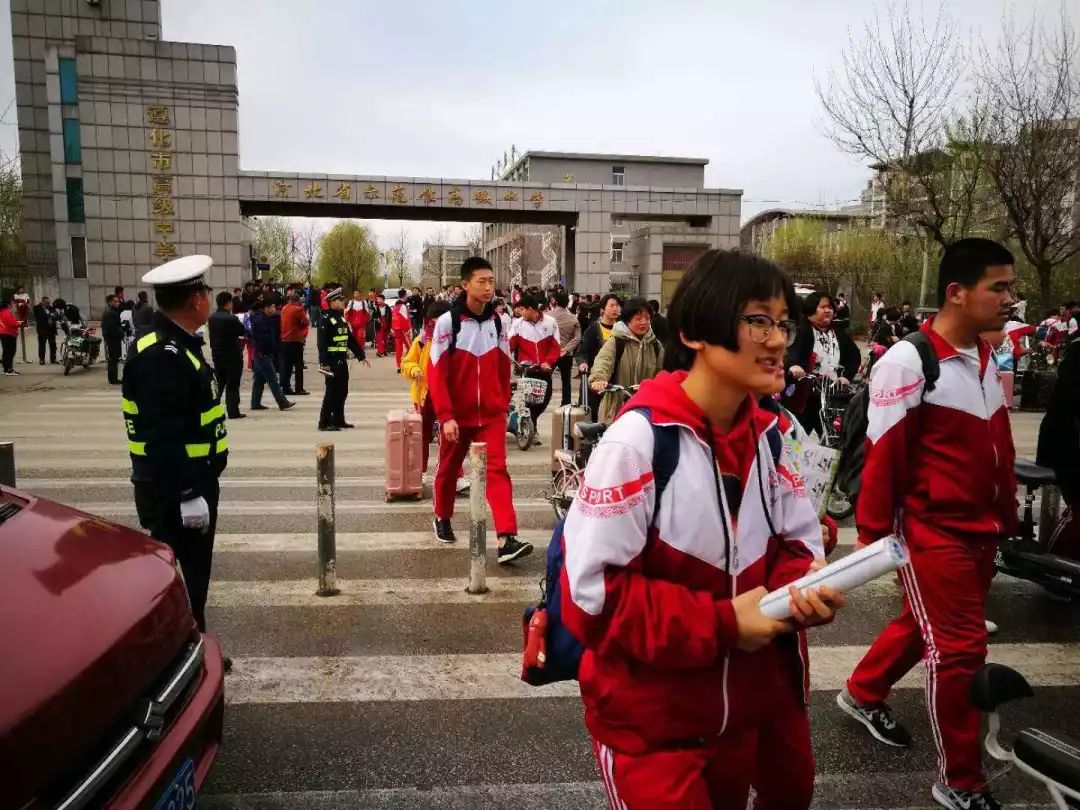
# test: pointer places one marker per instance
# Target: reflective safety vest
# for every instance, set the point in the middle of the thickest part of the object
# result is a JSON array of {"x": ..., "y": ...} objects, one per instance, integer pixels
[
  {"x": 205, "y": 434},
  {"x": 337, "y": 337}
]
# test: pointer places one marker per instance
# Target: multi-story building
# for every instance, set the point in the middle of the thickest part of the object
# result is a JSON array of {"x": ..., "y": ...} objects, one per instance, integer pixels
[
  {"x": 439, "y": 264},
  {"x": 646, "y": 252}
]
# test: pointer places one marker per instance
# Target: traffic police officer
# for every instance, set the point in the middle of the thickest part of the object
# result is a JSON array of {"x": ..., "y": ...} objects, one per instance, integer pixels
[
  {"x": 335, "y": 341},
  {"x": 175, "y": 422}
]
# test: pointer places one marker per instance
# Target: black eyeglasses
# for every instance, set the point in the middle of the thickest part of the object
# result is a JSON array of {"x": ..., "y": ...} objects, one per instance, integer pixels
[{"x": 761, "y": 327}]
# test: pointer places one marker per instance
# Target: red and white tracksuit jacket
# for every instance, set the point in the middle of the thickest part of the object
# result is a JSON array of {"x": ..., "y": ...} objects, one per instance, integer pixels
[
  {"x": 939, "y": 469},
  {"x": 471, "y": 385},
  {"x": 667, "y": 693},
  {"x": 536, "y": 343},
  {"x": 400, "y": 321}
]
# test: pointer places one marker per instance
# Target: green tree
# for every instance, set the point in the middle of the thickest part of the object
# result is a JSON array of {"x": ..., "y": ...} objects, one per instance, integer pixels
[
  {"x": 12, "y": 257},
  {"x": 348, "y": 255},
  {"x": 274, "y": 246}
]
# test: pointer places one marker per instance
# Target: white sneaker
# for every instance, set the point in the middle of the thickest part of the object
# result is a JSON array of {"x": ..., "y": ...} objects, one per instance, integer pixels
[{"x": 991, "y": 627}]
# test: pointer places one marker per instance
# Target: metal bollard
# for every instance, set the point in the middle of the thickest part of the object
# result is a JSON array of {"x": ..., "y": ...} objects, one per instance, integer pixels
[
  {"x": 477, "y": 518},
  {"x": 324, "y": 476},
  {"x": 7, "y": 464},
  {"x": 1049, "y": 512}
]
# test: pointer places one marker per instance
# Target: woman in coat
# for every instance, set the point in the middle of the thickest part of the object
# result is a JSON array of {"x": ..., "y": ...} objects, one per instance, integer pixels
[{"x": 630, "y": 356}]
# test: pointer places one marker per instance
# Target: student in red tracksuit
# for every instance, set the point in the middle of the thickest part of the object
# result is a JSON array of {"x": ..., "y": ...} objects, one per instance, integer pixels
[
  {"x": 469, "y": 385},
  {"x": 939, "y": 470},
  {"x": 401, "y": 324},
  {"x": 534, "y": 339},
  {"x": 691, "y": 694}
]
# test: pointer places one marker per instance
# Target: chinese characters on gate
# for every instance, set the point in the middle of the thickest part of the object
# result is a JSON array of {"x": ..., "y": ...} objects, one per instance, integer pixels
[
  {"x": 162, "y": 202},
  {"x": 398, "y": 194}
]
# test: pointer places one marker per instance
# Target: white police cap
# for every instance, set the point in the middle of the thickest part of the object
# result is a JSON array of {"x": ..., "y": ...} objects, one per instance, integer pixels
[{"x": 187, "y": 271}]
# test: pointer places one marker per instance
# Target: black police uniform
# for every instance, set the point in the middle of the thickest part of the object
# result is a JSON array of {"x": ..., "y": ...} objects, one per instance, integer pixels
[
  {"x": 178, "y": 442},
  {"x": 335, "y": 341}
]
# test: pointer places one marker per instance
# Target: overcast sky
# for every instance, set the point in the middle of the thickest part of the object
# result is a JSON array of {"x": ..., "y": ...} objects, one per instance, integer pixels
[{"x": 443, "y": 88}]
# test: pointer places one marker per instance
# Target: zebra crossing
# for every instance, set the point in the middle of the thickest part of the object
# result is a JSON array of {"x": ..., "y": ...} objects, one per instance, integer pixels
[{"x": 403, "y": 691}]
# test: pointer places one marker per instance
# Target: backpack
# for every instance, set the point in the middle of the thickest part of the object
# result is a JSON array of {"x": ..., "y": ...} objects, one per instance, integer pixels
[
  {"x": 620, "y": 347},
  {"x": 455, "y": 327},
  {"x": 852, "y": 459},
  {"x": 552, "y": 652}
]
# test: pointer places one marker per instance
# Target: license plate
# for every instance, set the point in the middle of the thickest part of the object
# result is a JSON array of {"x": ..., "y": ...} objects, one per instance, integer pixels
[{"x": 180, "y": 794}]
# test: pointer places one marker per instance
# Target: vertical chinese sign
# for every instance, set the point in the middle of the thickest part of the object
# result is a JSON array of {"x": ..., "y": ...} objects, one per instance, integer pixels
[{"x": 162, "y": 179}]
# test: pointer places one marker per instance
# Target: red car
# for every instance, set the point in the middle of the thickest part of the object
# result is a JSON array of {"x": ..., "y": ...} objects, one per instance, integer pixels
[{"x": 110, "y": 697}]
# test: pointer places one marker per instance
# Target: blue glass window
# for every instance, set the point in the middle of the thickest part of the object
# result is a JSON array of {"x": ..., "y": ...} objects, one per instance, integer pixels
[
  {"x": 72, "y": 141},
  {"x": 69, "y": 83},
  {"x": 76, "y": 212}
]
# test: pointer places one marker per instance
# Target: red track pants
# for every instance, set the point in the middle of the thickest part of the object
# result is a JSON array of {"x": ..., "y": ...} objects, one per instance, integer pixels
[
  {"x": 401, "y": 344},
  {"x": 775, "y": 758},
  {"x": 380, "y": 339},
  {"x": 942, "y": 624},
  {"x": 500, "y": 492}
]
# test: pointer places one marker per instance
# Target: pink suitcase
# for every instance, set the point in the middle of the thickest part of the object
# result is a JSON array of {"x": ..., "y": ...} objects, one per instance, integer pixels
[{"x": 404, "y": 455}]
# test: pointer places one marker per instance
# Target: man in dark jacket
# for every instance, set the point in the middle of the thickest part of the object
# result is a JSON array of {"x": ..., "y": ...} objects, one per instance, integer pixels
[
  {"x": 45, "y": 326},
  {"x": 226, "y": 334},
  {"x": 265, "y": 334},
  {"x": 112, "y": 331},
  {"x": 659, "y": 322},
  {"x": 143, "y": 315}
]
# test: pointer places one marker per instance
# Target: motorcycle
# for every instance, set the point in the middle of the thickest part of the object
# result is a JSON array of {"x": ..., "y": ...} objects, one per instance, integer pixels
[
  {"x": 1026, "y": 555},
  {"x": 1050, "y": 757},
  {"x": 80, "y": 348}
]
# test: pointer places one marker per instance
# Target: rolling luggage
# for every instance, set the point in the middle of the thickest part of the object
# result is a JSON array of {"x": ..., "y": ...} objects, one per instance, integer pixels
[
  {"x": 563, "y": 420},
  {"x": 404, "y": 455}
]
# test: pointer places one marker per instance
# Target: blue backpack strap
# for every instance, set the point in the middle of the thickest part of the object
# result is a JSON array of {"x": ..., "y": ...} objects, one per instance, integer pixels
[{"x": 665, "y": 456}]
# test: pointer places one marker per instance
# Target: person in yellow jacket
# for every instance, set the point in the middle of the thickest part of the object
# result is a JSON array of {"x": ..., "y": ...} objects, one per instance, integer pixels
[{"x": 414, "y": 368}]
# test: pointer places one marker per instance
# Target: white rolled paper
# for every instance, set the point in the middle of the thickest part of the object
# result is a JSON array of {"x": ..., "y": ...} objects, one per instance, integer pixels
[{"x": 856, "y": 569}]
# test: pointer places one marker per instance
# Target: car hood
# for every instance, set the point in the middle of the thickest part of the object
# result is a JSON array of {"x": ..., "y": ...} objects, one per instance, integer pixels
[{"x": 92, "y": 615}]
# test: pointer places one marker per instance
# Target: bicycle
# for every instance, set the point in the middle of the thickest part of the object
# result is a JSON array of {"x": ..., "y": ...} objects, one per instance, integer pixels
[
  {"x": 1049, "y": 757},
  {"x": 835, "y": 397},
  {"x": 524, "y": 393},
  {"x": 570, "y": 466}
]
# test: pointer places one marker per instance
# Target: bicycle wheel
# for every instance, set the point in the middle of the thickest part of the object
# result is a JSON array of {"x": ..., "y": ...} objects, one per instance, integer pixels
[
  {"x": 526, "y": 430},
  {"x": 838, "y": 507},
  {"x": 564, "y": 487}
]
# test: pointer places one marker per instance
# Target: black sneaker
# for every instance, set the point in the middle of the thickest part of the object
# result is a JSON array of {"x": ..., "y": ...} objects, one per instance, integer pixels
[
  {"x": 964, "y": 799},
  {"x": 302, "y": 393},
  {"x": 877, "y": 720},
  {"x": 329, "y": 427},
  {"x": 226, "y": 664},
  {"x": 259, "y": 408},
  {"x": 344, "y": 425},
  {"x": 512, "y": 549},
  {"x": 444, "y": 532},
  {"x": 284, "y": 406},
  {"x": 237, "y": 416}
]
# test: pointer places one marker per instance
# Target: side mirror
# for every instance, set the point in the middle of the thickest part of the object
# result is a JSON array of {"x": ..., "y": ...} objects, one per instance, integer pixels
[{"x": 995, "y": 684}]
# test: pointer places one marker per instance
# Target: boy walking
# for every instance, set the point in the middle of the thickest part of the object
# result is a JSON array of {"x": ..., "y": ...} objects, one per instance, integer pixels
[
  {"x": 952, "y": 498},
  {"x": 469, "y": 380}
]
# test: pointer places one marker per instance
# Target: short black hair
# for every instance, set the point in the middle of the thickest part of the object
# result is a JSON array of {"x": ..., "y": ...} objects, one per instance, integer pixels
[
  {"x": 224, "y": 297},
  {"x": 560, "y": 298},
  {"x": 632, "y": 307},
  {"x": 964, "y": 262},
  {"x": 118, "y": 290},
  {"x": 905, "y": 303},
  {"x": 171, "y": 299},
  {"x": 528, "y": 302},
  {"x": 143, "y": 297},
  {"x": 892, "y": 314},
  {"x": 436, "y": 309},
  {"x": 608, "y": 297},
  {"x": 711, "y": 297},
  {"x": 402, "y": 293},
  {"x": 812, "y": 300},
  {"x": 654, "y": 305},
  {"x": 110, "y": 298},
  {"x": 472, "y": 264}
]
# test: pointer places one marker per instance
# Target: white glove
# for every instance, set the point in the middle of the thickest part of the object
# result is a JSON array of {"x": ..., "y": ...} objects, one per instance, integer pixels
[{"x": 195, "y": 514}]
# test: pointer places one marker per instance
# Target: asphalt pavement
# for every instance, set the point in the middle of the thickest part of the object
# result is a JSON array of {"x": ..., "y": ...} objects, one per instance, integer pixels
[{"x": 403, "y": 692}]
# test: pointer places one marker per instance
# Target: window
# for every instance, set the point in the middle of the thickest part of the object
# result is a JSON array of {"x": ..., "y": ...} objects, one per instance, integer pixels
[
  {"x": 618, "y": 175},
  {"x": 76, "y": 212},
  {"x": 616, "y": 252},
  {"x": 69, "y": 83},
  {"x": 78, "y": 257},
  {"x": 72, "y": 141}
]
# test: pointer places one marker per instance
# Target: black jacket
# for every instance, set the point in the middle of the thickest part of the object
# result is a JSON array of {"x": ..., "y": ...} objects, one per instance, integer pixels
[
  {"x": 142, "y": 316},
  {"x": 1059, "y": 433},
  {"x": 799, "y": 352},
  {"x": 660, "y": 327},
  {"x": 591, "y": 343},
  {"x": 45, "y": 321},
  {"x": 226, "y": 332},
  {"x": 264, "y": 335},
  {"x": 112, "y": 330}
]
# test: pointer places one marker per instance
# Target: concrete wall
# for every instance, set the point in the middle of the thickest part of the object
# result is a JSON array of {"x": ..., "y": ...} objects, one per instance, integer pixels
[{"x": 598, "y": 172}]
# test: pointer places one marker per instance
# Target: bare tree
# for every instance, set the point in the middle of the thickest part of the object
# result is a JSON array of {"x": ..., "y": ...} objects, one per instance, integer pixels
[
  {"x": 398, "y": 266},
  {"x": 1032, "y": 83},
  {"x": 306, "y": 248},
  {"x": 474, "y": 239},
  {"x": 890, "y": 103}
]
